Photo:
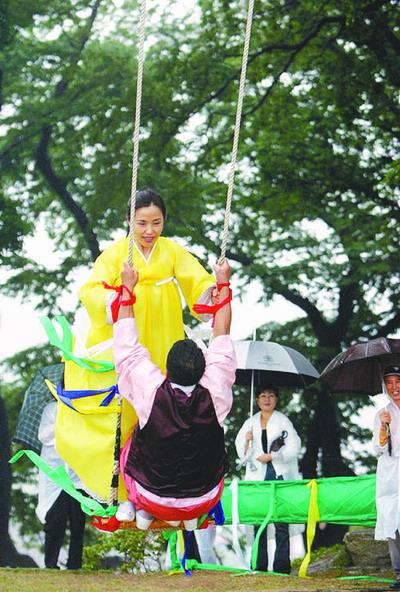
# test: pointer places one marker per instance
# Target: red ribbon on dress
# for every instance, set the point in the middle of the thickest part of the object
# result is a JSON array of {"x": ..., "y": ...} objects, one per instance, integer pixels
[
  {"x": 118, "y": 302},
  {"x": 212, "y": 308}
]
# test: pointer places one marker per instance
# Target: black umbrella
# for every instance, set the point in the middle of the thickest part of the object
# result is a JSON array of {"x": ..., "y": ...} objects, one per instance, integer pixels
[
  {"x": 271, "y": 363},
  {"x": 360, "y": 368}
]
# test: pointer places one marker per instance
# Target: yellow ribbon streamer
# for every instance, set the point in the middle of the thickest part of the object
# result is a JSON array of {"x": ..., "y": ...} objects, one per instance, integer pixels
[
  {"x": 181, "y": 544},
  {"x": 312, "y": 519}
]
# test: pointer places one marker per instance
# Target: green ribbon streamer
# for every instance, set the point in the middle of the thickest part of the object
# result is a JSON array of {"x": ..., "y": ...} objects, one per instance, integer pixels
[
  {"x": 267, "y": 519},
  {"x": 370, "y": 578},
  {"x": 194, "y": 564},
  {"x": 65, "y": 346},
  {"x": 62, "y": 479},
  {"x": 171, "y": 536},
  {"x": 261, "y": 573}
]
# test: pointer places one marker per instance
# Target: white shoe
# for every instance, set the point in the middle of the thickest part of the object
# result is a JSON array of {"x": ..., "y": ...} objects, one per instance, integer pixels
[
  {"x": 190, "y": 524},
  {"x": 125, "y": 512},
  {"x": 174, "y": 523},
  {"x": 143, "y": 520}
]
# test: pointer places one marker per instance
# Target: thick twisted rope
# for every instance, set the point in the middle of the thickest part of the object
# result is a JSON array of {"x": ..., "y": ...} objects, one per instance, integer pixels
[
  {"x": 113, "y": 498},
  {"x": 135, "y": 158},
  {"x": 236, "y": 132}
]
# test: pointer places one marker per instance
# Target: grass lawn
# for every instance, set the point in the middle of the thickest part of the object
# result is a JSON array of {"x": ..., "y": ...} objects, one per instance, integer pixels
[{"x": 40, "y": 580}]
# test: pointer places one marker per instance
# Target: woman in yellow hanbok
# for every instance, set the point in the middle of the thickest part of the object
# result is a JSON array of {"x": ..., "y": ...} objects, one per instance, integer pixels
[
  {"x": 166, "y": 271},
  {"x": 163, "y": 265}
]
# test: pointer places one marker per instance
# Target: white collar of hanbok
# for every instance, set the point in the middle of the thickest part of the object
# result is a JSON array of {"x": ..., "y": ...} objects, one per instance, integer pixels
[{"x": 139, "y": 250}]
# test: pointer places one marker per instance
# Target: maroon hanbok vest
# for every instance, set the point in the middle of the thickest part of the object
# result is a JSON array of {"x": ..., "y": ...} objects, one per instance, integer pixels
[{"x": 180, "y": 452}]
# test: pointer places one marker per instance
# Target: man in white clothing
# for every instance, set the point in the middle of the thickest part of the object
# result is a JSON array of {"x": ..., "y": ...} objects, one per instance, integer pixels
[
  {"x": 387, "y": 445},
  {"x": 55, "y": 507}
]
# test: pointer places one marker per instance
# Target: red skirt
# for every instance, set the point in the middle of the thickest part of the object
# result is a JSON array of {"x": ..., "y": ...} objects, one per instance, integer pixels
[{"x": 170, "y": 511}]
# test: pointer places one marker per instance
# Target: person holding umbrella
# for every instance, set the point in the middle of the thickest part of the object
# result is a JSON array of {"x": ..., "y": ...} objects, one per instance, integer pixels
[
  {"x": 386, "y": 441},
  {"x": 361, "y": 369},
  {"x": 275, "y": 448}
]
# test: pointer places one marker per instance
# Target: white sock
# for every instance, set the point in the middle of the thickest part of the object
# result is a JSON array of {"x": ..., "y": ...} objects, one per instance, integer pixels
[
  {"x": 143, "y": 519},
  {"x": 190, "y": 524},
  {"x": 125, "y": 512}
]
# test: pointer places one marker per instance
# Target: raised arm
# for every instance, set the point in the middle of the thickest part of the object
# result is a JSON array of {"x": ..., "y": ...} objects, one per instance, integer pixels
[
  {"x": 129, "y": 279},
  {"x": 219, "y": 374},
  {"x": 223, "y": 316},
  {"x": 138, "y": 376}
]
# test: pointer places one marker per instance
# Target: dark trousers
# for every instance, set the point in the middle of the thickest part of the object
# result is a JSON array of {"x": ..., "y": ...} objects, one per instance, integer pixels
[
  {"x": 64, "y": 510},
  {"x": 281, "y": 559}
]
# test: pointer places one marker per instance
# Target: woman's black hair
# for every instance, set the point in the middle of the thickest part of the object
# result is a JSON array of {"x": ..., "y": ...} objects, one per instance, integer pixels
[
  {"x": 145, "y": 198},
  {"x": 267, "y": 387}
]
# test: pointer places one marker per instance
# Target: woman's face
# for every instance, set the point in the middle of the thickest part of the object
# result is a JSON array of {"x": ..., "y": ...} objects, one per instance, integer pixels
[
  {"x": 149, "y": 223},
  {"x": 267, "y": 401}
]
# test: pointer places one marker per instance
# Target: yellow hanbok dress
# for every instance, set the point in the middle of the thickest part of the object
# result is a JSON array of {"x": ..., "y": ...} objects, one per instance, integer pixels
[
  {"x": 159, "y": 321},
  {"x": 158, "y": 308}
]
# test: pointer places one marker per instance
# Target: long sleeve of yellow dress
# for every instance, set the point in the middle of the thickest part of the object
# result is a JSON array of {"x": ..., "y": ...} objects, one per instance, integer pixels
[
  {"x": 94, "y": 296},
  {"x": 193, "y": 279}
]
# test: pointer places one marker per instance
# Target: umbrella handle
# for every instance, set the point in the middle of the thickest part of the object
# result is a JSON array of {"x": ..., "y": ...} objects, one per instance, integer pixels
[
  {"x": 248, "y": 458},
  {"x": 389, "y": 435}
]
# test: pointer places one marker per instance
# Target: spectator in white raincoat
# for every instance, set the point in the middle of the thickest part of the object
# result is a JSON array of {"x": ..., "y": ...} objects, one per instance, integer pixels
[
  {"x": 275, "y": 448},
  {"x": 387, "y": 445}
]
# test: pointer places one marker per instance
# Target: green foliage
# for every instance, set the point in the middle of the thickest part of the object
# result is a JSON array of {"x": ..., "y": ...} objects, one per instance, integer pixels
[
  {"x": 12, "y": 229},
  {"x": 341, "y": 556},
  {"x": 140, "y": 551},
  {"x": 392, "y": 177},
  {"x": 324, "y": 135}
]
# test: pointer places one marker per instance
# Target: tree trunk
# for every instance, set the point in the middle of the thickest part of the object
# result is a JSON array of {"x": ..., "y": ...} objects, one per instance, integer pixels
[
  {"x": 9, "y": 557},
  {"x": 323, "y": 456},
  {"x": 323, "y": 440}
]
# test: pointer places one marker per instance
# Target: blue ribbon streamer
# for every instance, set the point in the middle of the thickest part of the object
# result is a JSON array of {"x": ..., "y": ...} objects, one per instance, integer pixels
[
  {"x": 185, "y": 552},
  {"x": 217, "y": 513},
  {"x": 67, "y": 396}
]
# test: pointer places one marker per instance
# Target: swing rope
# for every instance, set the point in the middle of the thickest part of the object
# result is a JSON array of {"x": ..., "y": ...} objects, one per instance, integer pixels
[
  {"x": 236, "y": 132},
  {"x": 113, "y": 499},
  {"x": 136, "y": 131}
]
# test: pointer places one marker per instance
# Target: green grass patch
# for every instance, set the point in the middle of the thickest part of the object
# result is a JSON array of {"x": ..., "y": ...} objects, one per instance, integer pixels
[{"x": 41, "y": 580}]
